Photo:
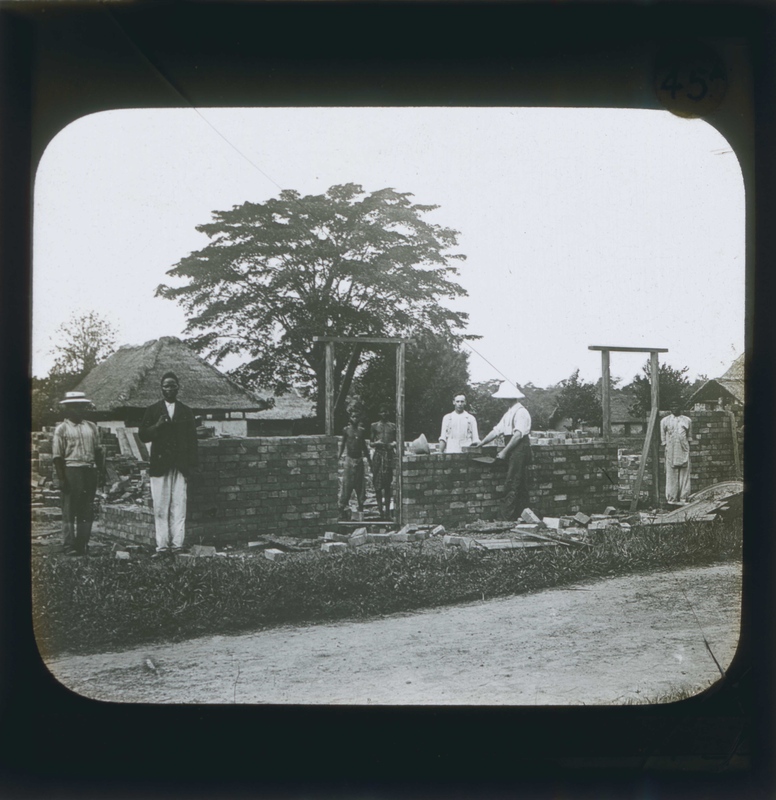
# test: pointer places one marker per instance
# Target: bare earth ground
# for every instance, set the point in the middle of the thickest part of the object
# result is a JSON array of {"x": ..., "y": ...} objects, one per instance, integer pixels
[{"x": 623, "y": 640}]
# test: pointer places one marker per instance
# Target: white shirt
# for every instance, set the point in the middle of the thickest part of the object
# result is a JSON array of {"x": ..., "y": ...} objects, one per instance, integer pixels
[
  {"x": 675, "y": 433},
  {"x": 458, "y": 430},
  {"x": 170, "y": 409},
  {"x": 516, "y": 420}
]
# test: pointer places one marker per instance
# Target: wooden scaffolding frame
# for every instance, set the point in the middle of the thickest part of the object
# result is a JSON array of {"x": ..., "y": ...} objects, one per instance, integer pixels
[
  {"x": 360, "y": 341},
  {"x": 649, "y": 439}
]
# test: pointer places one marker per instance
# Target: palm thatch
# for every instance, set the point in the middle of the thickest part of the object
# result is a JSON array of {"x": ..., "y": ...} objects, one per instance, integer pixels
[
  {"x": 131, "y": 379},
  {"x": 729, "y": 387}
]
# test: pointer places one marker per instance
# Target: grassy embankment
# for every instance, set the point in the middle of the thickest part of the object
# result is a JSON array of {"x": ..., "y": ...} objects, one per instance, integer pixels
[{"x": 100, "y": 603}]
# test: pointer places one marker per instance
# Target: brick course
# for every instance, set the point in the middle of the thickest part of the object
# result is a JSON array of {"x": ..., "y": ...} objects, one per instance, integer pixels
[{"x": 565, "y": 477}]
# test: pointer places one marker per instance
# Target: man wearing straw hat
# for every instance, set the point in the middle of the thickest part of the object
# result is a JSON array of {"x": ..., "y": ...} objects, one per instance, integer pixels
[
  {"x": 516, "y": 424},
  {"x": 459, "y": 428},
  {"x": 171, "y": 428},
  {"x": 78, "y": 461}
]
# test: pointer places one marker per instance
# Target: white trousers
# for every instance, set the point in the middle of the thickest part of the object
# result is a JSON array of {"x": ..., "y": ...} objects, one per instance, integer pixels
[
  {"x": 677, "y": 482},
  {"x": 169, "y": 496}
]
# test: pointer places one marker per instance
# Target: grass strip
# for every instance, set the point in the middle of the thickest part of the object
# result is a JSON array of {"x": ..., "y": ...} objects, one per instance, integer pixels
[{"x": 101, "y": 604}]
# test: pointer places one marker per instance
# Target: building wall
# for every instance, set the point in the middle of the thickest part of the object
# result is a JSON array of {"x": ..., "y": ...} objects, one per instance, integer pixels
[
  {"x": 452, "y": 489},
  {"x": 712, "y": 457},
  {"x": 249, "y": 487}
]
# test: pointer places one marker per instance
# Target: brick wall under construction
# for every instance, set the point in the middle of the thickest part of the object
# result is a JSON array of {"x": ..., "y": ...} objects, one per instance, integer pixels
[
  {"x": 566, "y": 476},
  {"x": 715, "y": 455}
]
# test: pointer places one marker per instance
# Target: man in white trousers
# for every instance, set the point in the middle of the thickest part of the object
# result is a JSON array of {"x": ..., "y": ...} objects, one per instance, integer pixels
[
  {"x": 675, "y": 436},
  {"x": 171, "y": 429}
]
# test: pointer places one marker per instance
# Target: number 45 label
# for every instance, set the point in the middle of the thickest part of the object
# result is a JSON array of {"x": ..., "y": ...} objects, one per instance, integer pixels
[{"x": 690, "y": 80}]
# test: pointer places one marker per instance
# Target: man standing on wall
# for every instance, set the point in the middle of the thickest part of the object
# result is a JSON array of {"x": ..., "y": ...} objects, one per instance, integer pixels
[
  {"x": 459, "y": 428},
  {"x": 354, "y": 444},
  {"x": 383, "y": 453},
  {"x": 516, "y": 424},
  {"x": 79, "y": 463},
  {"x": 171, "y": 429},
  {"x": 675, "y": 435}
]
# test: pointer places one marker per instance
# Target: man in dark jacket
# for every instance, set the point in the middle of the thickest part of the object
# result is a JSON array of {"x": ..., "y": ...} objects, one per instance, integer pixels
[{"x": 171, "y": 429}]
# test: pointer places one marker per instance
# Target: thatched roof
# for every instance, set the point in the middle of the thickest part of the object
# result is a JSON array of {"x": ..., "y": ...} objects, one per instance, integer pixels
[
  {"x": 131, "y": 378},
  {"x": 289, "y": 406},
  {"x": 730, "y": 385}
]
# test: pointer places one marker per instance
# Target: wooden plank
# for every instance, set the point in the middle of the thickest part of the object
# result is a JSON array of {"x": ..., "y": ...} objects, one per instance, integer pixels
[
  {"x": 400, "y": 431},
  {"x": 329, "y": 412},
  {"x": 628, "y": 349},
  {"x": 644, "y": 454},
  {"x": 546, "y": 538},
  {"x": 359, "y": 339},
  {"x": 654, "y": 386},
  {"x": 509, "y": 544},
  {"x": 606, "y": 402}
]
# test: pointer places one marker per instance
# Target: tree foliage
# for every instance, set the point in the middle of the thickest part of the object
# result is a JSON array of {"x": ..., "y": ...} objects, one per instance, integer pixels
[
  {"x": 579, "y": 401},
  {"x": 436, "y": 370},
  {"x": 673, "y": 385},
  {"x": 542, "y": 404},
  {"x": 344, "y": 263},
  {"x": 82, "y": 342},
  {"x": 481, "y": 403}
]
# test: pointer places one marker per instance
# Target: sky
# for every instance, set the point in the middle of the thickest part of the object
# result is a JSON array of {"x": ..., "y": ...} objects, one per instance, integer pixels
[{"x": 619, "y": 227}]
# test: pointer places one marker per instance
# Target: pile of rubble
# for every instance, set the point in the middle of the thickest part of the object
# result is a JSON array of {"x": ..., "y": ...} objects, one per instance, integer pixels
[
  {"x": 534, "y": 531},
  {"x": 126, "y": 481},
  {"x": 333, "y": 542}
]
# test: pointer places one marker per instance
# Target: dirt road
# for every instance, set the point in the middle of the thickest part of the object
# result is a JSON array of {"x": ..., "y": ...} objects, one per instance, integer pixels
[{"x": 627, "y": 639}]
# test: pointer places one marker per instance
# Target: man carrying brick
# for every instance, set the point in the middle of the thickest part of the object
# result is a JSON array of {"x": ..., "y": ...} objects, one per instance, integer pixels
[
  {"x": 171, "y": 429},
  {"x": 459, "y": 428},
  {"x": 79, "y": 462},
  {"x": 675, "y": 435},
  {"x": 354, "y": 445},
  {"x": 516, "y": 424}
]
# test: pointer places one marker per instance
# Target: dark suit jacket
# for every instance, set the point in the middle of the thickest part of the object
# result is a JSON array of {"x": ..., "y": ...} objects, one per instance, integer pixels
[{"x": 173, "y": 445}]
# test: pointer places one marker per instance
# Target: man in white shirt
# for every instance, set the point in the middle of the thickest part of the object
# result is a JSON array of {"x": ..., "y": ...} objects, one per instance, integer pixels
[
  {"x": 515, "y": 424},
  {"x": 675, "y": 435},
  {"x": 459, "y": 428}
]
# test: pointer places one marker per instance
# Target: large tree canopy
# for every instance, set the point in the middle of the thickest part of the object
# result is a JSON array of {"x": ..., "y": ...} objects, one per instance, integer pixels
[{"x": 343, "y": 263}]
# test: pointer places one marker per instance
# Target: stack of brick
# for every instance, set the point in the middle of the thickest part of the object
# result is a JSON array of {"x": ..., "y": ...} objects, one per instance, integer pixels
[
  {"x": 453, "y": 489},
  {"x": 562, "y": 437}
]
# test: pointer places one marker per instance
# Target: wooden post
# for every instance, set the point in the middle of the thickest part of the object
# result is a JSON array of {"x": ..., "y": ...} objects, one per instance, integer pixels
[
  {"x": 644, "y": 455},
  {"x": 654, "y": 385},
  {"x": 329, "y": 388},
  {"x": 399, "y": 432},
  {"x": 606, "y": 402}
]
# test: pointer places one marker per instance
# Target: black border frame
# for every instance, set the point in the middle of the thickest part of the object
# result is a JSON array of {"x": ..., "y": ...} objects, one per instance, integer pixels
[{"x": 61, "y": 60}]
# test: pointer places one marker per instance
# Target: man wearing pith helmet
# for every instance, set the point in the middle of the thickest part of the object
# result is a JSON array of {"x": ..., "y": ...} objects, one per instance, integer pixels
[
  {"x": 171, "y": 429},
  {"x": 516, "y": 426},
  {"x": 78, "y": 461}
]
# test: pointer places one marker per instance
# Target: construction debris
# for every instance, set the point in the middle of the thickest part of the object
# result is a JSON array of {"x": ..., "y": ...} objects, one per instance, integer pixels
[{"x": 273, "y": 554}]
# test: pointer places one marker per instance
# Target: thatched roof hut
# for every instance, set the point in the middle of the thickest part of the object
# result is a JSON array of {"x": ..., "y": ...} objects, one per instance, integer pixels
[
  {"x": 290, "y": 415},
  {"x": 129, "y": 381},
  {"x": 728, "y": 389}
]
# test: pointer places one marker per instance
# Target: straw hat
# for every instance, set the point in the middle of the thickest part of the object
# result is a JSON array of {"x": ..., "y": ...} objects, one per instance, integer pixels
[
  {"x": 508, "y": 391},
  {"x": 73, "y": 398},
  {"x": 420, "y": 446}
]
